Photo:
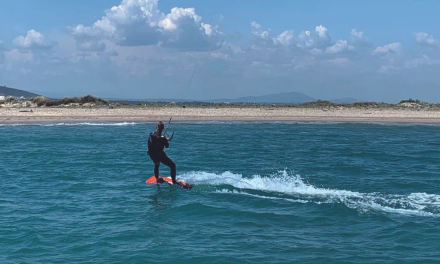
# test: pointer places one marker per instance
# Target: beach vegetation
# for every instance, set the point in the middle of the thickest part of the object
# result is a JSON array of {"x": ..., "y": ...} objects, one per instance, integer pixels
[
  {"x": 318, "y": 103},
  {"x": 10, "y": 100},
  {"x": 40, "y": 100},
  {"x": 92, "y": 99},
  {"x": 88, "y": 99},
  {"x": 416, "y": 101}
]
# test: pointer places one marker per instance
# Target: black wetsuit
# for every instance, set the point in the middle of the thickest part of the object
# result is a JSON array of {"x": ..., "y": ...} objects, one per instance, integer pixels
[{"x": 156, "y": 144}]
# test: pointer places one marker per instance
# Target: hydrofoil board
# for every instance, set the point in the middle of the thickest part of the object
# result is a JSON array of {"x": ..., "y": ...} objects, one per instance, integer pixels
[{"x": 184, "y": 185}]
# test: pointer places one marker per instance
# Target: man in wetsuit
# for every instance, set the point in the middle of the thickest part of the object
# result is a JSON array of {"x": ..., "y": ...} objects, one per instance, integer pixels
[{"x": 156, "y": 144}]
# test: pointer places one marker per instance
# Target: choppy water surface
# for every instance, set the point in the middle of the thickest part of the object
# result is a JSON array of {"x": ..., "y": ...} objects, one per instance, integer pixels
[{"x": 264, "y": 192}]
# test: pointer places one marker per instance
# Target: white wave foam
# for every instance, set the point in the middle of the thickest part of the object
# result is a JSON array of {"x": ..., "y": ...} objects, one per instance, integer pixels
[
  {"x": 261, "y": 196},
  {"x": 420, "y": 204},
  {"x": 73, "y": 124},
  {"x": 97, "y": 124}
]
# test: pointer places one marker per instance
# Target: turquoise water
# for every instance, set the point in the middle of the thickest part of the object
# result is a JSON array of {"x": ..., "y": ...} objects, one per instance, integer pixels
[{"x": 263, "y": 193}]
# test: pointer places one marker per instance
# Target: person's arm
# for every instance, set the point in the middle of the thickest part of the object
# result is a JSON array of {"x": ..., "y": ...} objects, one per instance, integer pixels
[
  {"x": 148, "y": 144},
  {"x": 166, "y": 142}
]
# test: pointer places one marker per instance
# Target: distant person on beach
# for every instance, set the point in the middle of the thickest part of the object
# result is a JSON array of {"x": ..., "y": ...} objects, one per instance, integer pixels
[{"x": 156, "y": 145}]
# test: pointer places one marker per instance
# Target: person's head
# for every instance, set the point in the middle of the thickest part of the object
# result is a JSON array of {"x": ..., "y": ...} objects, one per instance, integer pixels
[{"x": 160, "y": 126}]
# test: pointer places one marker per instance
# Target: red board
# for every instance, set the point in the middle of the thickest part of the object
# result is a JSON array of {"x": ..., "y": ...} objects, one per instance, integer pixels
[{"x": 182, "y": 184}]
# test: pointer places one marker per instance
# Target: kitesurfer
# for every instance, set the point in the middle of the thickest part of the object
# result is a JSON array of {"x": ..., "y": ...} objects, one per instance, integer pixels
[{"x": 156, "y": 144}]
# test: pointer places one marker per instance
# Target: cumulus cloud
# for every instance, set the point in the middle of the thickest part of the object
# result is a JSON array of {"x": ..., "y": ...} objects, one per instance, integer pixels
[
  {"x": 136, "y": 39},
  {"x": 338, "y": 47},
  {"x": 140, "y": 23},
  {"x": 421, "y": 61},
  {"x": 425, "y": 38},
  {"x": 322, "y": 32},
  {"x": 316, "y": 52},
  {"x": 357, "y": 35},
  {"x": 184, "y": 29},
  {"x": 389, "y": 49},
  {"x": 17, "y": 56},
  {"x": 258, "y": 32},
  {"x": 286, "y": 38},
  {"x": 314, "y": 39},
  {"x": 33, "y": 40}
]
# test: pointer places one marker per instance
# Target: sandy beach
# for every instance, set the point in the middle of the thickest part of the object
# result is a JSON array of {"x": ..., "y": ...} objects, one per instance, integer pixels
[{"x": 138, "y": 114}]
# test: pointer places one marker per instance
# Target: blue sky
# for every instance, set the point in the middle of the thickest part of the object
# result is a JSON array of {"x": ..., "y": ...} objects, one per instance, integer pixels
[{"x": 370, "y": 50}]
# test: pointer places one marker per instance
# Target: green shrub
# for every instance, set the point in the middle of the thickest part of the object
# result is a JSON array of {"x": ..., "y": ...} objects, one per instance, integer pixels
[
  {"x": 40, "y": 100},
  {"x": 410, "y": 100},
  {"x": 364, "y": 104},
  {"x": 54, "y": 103},
  {"x": 10, "y": 100},
  {"x": 91, "y": 99},
  {"x": 71, "y": 100}
]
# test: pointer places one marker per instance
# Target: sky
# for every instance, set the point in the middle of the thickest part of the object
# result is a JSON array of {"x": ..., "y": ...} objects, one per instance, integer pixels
[{"x": 197, "y": 49}]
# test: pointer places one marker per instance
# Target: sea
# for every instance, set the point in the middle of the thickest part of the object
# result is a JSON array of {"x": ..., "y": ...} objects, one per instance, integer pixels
[{"x": 270, "y": 192}]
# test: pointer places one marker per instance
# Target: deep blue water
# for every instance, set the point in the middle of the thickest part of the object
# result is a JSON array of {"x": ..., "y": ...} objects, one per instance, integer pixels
[{"x": 264, "y": 193}]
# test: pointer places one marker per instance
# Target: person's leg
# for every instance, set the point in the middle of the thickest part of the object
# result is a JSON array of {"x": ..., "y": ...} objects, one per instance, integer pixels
[
  {"x": 156, "y": 162},
  {"x": 156, "y": 170},
  {"x": 168, "y": 162}
]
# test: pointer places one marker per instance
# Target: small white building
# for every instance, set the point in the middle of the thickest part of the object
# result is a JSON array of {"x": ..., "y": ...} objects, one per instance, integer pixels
[{"x": 2, "y": 98}]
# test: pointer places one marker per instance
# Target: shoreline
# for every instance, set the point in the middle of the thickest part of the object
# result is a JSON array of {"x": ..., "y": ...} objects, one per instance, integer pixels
[{"x": 69, "y": 115}]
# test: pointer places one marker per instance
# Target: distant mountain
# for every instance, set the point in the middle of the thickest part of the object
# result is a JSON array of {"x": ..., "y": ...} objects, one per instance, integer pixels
[
  {"x": 345, "y": 100},
  {"x": 6, "y": 91},
  {"x": 281, "y": 98}
]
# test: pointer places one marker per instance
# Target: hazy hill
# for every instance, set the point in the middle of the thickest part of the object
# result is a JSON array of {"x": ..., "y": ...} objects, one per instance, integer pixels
[
  {"x": 6, "y": 91},
  {"x": 281, "y": 98}
]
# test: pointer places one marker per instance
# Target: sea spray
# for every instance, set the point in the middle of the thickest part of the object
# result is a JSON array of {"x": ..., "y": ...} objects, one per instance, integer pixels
[{"x": 282, "y": 183}]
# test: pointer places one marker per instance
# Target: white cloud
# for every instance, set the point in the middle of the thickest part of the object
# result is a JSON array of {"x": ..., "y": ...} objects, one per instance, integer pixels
[
  {"x": 184, "y": 29},
  {"x": 33, "y": 40},
  {"x": 357, "y": 35},
  {"x": 140, "y": 23},
  {"x": 135, "y": 38},
  {"x": 306, "y": 39},
  {"x": 317, "y": 38},
  {"x": 425, "y": 38},
  {"x": 17, "y": 56},
  {"x": 258, "y": 32},
  {"x": 392, "y": 48},
  {"x": 421, "y": 61},
  {"x": 338, "y": 47},
  {"x": 316, "y": 52},
  {"x": 322, "y": 32},
  {"x": 286, "y": 38}
]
